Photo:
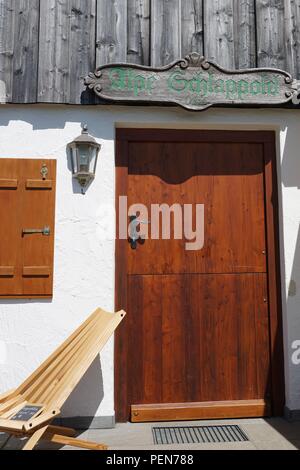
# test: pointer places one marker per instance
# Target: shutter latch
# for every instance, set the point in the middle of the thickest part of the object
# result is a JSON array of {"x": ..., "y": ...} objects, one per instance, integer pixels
[{"x": 30, "y": 231}]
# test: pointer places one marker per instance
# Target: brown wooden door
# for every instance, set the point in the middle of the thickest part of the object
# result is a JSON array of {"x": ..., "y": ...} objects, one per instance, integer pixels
[{"x": 197, "y": 341}]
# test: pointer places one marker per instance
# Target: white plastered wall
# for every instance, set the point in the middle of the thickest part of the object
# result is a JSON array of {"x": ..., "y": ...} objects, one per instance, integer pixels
[{"x": 84, "y": 264}]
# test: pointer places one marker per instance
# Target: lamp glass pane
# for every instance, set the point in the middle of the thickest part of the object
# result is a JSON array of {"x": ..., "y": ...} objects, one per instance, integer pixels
[
  {"x": 94, "y": 154},
  {"x": 84, "y": 158},
  {"x": 74, "y": 159}
]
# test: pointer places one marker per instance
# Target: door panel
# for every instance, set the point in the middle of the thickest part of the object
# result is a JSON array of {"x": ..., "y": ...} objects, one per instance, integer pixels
[
  {"x": 228, "y": 179},
  {"x": 196, "y": 341},
  {"x": 202, "y": 338}
]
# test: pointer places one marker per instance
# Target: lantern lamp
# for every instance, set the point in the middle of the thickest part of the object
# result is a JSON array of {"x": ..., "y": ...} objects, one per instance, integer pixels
[{"x": 84, "y": 155}]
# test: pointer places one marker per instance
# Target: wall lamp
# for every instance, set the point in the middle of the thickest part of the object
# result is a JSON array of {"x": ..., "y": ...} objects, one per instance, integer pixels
[{"x": 84, "y": 156}]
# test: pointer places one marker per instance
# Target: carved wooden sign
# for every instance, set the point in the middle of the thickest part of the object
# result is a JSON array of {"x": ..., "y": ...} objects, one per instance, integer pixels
[{"x": 193, "y": 83}]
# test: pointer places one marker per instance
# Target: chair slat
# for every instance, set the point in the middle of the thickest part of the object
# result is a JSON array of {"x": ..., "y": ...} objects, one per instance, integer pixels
[
  {"x": 46, "y": 378},
  {"x": 50, "y": 359},
  {"x": 5, "y": 396},
  {"x": 73, "y": 364},
  {"x": 67, "y": 364},
  {"x": 73, "y": 379},
  {"x": 13, "y": 410},
  {"x": 10, "y": 403}
]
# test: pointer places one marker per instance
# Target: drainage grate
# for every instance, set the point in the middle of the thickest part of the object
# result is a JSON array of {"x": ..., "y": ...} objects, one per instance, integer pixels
[{"x": 198, "y": 434}]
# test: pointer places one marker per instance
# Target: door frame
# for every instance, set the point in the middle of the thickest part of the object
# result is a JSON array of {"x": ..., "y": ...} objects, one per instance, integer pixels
[{"x": 268, "y": 140}]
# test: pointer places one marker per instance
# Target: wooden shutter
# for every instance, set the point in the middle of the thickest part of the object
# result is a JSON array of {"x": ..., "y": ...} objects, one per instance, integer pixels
[
  {"x": 10, "y": 256},
  {"x": 27, "y": 202}
]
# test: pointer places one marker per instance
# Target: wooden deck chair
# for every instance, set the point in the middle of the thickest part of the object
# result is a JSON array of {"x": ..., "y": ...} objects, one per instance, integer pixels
[{"x": 29, "y": 410}]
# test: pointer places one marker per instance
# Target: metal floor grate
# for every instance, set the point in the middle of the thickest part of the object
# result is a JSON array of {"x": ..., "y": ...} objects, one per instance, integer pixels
[{"x": 198, "y": 434}]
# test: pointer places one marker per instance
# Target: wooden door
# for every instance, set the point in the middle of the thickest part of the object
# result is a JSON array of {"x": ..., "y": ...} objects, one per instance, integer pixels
[{"x": 202, "y": 338}]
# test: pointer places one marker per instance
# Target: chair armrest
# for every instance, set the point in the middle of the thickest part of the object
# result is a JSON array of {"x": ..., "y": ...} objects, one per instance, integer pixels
[{"x": 45, "y": 417}]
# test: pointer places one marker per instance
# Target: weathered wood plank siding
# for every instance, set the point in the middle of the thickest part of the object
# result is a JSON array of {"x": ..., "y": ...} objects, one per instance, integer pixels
[
  {"x": 26, "y": 50},
  {"x": 292, "y": 36},
  {"x": 138, "y": 32},
  {"x": 48, "y": 46},
  {"x": 54, "y": 74},
  {"x": 270, "y": 34},
  {"x": 111, "y": 31},
  {"x": 7, "y": 28},
  {"x": 218, "y": 32},
  {"x": 191, "y": 27},
  {"x": 244, "y": 34},
  {"x": 82, "y": 45},
  {"x": 67, "y": 48},
  {"x": 165, "y": 32},
  {"x": 230, "y": 33}
]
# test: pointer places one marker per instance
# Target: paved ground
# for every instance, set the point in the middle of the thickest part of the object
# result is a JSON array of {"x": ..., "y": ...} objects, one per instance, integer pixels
[{"x": 264, "y": 434}]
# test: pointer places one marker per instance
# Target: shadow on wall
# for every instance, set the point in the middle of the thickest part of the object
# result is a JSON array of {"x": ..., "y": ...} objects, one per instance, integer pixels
[
  {"x": 53, "y": 117},
  {"x": 290, "y": 177},
  {"x": 290, "y": 169},
  {"x": 291, "y": 431},
  {"x": 88, "y": 396},
  {"x": 293, "y": 309}
]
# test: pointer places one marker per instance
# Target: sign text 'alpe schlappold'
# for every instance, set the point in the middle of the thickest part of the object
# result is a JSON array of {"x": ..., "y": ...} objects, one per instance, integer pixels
[{"x": 193, "y": 83}]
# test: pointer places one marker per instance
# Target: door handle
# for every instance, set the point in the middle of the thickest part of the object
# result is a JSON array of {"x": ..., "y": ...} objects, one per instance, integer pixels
[
  {"x": 30, "y": 231},
  {"x": 134, "y": 236}
]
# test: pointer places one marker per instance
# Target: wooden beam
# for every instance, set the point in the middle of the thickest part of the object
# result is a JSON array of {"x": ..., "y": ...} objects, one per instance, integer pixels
[{"x": 195, "y": 411}]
